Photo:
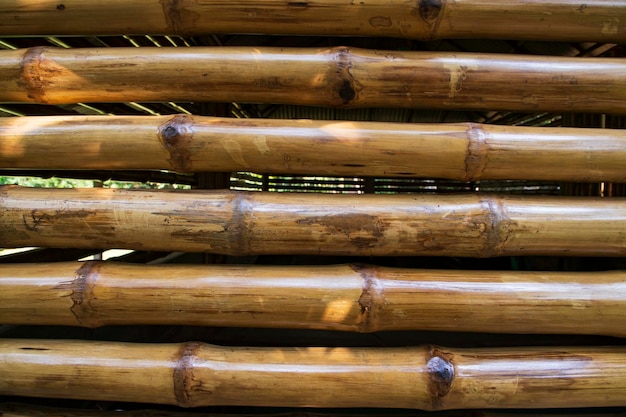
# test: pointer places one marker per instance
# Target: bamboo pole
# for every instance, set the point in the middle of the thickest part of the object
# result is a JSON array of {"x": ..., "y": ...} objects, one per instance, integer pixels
[
  {"x": 355, "y": 298},
  {"x": 340, "y": 77},
  {"x": 28, "y": 410},
  {"x": 235, "y": 223},
  {"x": 428, "y": 377},
  {"x": 564, "y": 20},
  {"x": 183, "y": 143}
]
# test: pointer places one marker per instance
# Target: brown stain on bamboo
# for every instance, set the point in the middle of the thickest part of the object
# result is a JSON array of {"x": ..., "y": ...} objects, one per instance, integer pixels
[
  {"x": 176, "y": 136},
  {"x": 363, "y": 230}
]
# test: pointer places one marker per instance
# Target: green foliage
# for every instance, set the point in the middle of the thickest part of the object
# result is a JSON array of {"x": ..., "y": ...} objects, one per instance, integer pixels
[{"x": 72, "y": 183}]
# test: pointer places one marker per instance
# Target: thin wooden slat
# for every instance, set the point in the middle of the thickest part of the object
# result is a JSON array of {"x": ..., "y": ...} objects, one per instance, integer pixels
[
  {"x": 565, "y": 20},
  {"x": 464, "y": 151},
  {"x": 428, "y": 377},
  {"x": 237, "y": 223},
  {"x": 356, "y": 298},
  {"x": 336, "y": 77}
]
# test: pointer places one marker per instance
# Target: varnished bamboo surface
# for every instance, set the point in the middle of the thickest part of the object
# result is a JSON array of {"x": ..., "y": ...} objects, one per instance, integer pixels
[
  {"x": 184, "y": 143},
  {"x": 28, "y": 410},
  {"x": 565, "y": 20},
  {"x": 428, "y": 378},
  {"x": 239, "y": 223},
  {"x": 357, "y": 298},
  {"x": 336, "y": 77}
]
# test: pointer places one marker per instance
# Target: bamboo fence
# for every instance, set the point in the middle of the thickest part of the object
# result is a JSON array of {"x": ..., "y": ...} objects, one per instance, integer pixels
[
  {"x": 427, "y": 378},
  {"x": 335, "y": 77},
  {"x": 357, "y": 298},
  {"x": 183, "y": 143},
  {"x": 235, "y": 223},
  {"x": 564, "y": 20}
]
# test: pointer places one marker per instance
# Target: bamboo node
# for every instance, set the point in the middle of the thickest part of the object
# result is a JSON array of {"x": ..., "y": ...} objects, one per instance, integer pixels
[
  {"x": 35, "y": 76},
  {"x": 371, "y": 300},
  {"x": 441, "y": 374},
  {"x": 175, "y": 136},
  {"x": 183, "y": 374},
  {"x": 498, "y": 226},
  {"x": 82, "y": 293},
  {"x": 174, "y": 17},
  {"x": 477, "y": 151},
  {"x": 346, "y": 88}
]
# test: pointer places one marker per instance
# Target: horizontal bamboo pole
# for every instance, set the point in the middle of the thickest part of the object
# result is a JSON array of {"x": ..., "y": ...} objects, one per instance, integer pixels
[
  {"x": 340, "y": 77},
  {"x": 342, "y": 297},
  {"x": 28, "y": 410},
  {"x": 235, "y": 223},
  {"x": 565, "y": 20},
  {"x": 428, "y": 377},
  {"x": 182, "y": 143}
]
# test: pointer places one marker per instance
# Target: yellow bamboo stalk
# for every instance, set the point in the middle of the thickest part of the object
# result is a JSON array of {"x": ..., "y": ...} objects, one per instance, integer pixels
[
  {"x": 183, "y": 143},
  {"x": 340, "y": 77},
  {"x": 235, "y": 223},
  {"x": 428, "y": 377},
  {"x": 28, "y": 410},
  {"x": 565, "y": 20},
  {"x": 342, "y": 297}
]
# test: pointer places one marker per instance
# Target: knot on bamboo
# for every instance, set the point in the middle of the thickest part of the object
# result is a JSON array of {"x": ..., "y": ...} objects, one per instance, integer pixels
[
  {"x": 175, "y": 136},
  {"x": 497, "y": 227},
  {"x": 430, "y": 12},
  {"x": 441, "y": 373},
  {"x": 184, "y": 381}
]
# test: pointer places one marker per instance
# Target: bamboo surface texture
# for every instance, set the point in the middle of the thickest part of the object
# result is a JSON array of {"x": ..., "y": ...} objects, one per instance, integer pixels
[
  {"x": 428, "y": 377},
  {"x": 339, "y": 77},
  {"x": 183, "y": 143},
  {"x": 237, "y": 223},
  {"x": 356, "y": 298},
  {"x": 28, "y": 410},
  {"x": 565, "y": 20}
]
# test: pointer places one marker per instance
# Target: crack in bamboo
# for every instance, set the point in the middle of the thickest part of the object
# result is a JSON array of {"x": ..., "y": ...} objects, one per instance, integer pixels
[{"x": 372, "y": 299}]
